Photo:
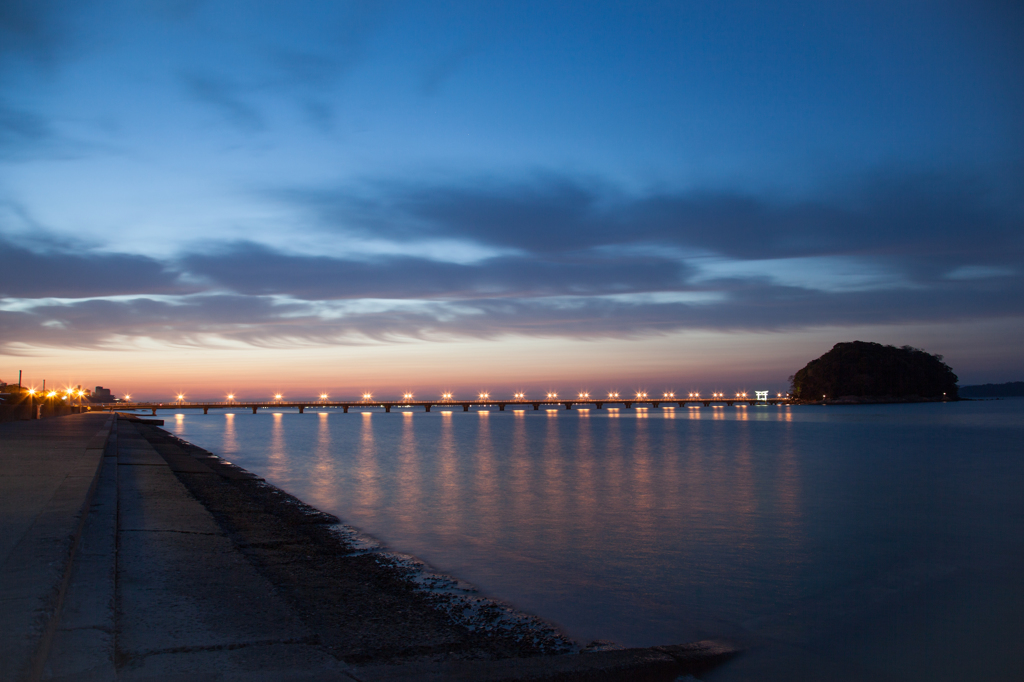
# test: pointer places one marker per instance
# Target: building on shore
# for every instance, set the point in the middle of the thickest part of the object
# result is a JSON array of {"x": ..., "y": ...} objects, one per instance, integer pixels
[{"x": 101, "y": 395}]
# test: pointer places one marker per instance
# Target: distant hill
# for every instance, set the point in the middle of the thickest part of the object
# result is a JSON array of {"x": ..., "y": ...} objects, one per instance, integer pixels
[
  {"x": 861, "y": 371},
  {"x": 1007, "y": 390}
]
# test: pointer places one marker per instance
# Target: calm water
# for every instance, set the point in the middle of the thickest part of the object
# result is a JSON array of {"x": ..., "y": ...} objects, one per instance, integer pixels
[{"x": 840, "y": 543}]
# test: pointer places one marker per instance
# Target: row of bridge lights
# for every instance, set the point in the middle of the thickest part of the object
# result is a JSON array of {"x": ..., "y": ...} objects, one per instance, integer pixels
[
  {"x": 552, "y": 395},
  {"x": 583, "y": 395}
]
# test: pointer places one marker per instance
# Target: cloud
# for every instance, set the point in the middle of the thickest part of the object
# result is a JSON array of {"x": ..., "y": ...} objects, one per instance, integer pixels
[
  {"x": 275, "y": 321},
  {"x": 442, "y": 70},
  {"x": 33, "y": 29},
  {"x": 258, "y": 270},
  {"x": 227, "y": 98},
  {"x": 890, "y": 215},
  {"x": 21, "y": 131},
  {"x": 26, "y": 273}
]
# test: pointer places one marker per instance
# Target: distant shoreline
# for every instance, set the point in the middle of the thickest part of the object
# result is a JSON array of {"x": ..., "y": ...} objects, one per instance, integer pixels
[
  {"x": 880, "y": 400},
  {"x": 1010, "y": 389}
]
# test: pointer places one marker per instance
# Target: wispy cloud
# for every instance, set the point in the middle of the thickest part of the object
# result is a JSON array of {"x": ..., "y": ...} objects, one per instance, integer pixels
[{"x": 227, "y": 98}]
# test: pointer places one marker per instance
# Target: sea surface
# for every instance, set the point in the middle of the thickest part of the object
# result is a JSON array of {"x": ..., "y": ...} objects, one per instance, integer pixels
[{"x": 837, "y": 543}]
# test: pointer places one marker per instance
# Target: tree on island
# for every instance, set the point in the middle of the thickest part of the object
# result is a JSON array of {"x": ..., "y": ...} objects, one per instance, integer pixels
[{"x": 870, "y": 370}]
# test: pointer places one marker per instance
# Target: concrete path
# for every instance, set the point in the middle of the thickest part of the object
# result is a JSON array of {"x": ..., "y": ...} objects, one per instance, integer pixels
[
  {"x": 159, "y": 592},
  {"x": 189, "y": 605},
  {"x": 48, "y": 475}
]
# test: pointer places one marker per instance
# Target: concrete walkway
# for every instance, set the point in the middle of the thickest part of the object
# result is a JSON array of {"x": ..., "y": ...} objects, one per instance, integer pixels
[
  {"x": 48, "y": 476},
  {"x": 159, "y": 592}
]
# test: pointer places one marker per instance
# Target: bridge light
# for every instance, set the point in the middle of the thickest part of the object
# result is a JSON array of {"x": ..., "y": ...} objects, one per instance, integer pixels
[
  {"x": 552, "y": 395},
  {"x": 277, "y": 396},
  {"x": 231, "y": 396},
  {"x": 51, "y": 394},
  {"x": 584, "y": 394},
  {"x": 519, "y": 396},
  {"x": 446, "y": 396},
  {"x": 323, "y": 396},
  {"x": 485, "y": 396},
  {"x": 367, "y": 396},
  {"x": 180, "y": 397},
  {"x": 127, "y": 396},
  {"x": 407, "y": 396}
]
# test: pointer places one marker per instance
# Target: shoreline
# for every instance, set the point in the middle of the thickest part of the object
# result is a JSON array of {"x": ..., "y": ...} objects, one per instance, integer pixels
[
  {"x": 386, "y": 613},
  {"x": 882, "y": 400},
  {"x": 446, "y": 593}
]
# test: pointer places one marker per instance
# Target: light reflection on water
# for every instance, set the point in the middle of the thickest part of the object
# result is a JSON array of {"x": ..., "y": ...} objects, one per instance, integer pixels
[{"x": 878, "y": 540}]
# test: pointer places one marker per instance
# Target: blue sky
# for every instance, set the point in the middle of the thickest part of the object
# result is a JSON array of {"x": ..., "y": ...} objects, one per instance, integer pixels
[{"x": 195, "y": 179}]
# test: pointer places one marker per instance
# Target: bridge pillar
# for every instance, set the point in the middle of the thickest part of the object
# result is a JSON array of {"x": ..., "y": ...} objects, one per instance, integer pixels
[
  {"x": 387, "y": 408},
  {"x": 598, "y": 405},
  {"x": 345, "y": 407},
  {"x": 707, "y": 403},
  {"x": 301, "y": 408},
  {"x": 154, "y": 411},
  {"x": 206, "y": 410},
  {"x": 501, "y": 407},
  {"x": 254, "y": 409},
  {"x": 568, "y": 406},
  {"x": 428, "y": 407},
  {"x": 628, "y": 405},
  {"x": 536, "y": 406},
  {"x": 655, "y": 405},
  {"x": 729, "y": 403},
  {"x": 465, "y": 407}
]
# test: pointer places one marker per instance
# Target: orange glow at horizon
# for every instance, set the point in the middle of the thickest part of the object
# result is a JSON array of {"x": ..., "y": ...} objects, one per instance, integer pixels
[{"x": 509, "y": 365}]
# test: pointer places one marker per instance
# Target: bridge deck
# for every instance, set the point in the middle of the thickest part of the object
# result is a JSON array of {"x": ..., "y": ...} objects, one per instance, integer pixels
[{"x": 428, "y": 404}]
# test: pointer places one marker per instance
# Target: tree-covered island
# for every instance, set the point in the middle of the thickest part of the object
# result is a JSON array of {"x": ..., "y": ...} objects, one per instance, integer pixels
[{"x": 864, "y": 372}]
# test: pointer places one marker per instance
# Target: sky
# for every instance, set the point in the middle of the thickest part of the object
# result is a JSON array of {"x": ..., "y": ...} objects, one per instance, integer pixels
[{"x": 302, "y": 197}]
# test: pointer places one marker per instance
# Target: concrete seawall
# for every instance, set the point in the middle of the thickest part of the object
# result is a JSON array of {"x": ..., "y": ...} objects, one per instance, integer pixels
[{"x": 131, "y": 555}]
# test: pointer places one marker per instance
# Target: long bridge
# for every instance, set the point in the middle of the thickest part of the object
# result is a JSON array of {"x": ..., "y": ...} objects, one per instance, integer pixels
[{"x": 447, "y": 404}]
